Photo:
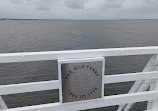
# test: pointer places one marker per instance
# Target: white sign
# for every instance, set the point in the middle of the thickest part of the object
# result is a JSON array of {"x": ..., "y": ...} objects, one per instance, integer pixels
[{"x": 81, "y": 79}]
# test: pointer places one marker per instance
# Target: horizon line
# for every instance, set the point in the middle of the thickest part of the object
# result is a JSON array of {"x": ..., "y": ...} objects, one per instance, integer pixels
[{"x": 71, "y": 19}]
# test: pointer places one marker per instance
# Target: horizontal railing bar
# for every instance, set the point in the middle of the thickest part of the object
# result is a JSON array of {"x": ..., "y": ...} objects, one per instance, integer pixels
[
  {"x": 54, "y": 84},
  {"x": 29, "y": 87},
  {"x": 130, "y": 77},
  {"x": 89, "y": 53},
  {"x": 150, "y": 110},
  {"x": 90, "y": 104}
]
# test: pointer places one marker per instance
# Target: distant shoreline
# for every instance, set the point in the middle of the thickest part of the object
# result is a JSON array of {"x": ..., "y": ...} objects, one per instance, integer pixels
[{"x": 75, "y": 19}]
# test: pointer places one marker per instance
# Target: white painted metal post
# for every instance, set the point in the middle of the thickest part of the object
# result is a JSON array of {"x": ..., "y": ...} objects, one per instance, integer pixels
[
  {"x": 153, "y": 86},
  {"x": 155, "y": 103}
]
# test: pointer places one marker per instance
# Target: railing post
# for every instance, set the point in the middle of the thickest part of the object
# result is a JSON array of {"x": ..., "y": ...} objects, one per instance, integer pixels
[
  {"x": 152, "y": 87},
  {"x": 153, "y": 105}
]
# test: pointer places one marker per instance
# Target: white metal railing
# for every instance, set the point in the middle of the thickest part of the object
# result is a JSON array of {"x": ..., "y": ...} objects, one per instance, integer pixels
[
  {"x": 143, "y": 85},
  {"x": 121, "y": 99}
]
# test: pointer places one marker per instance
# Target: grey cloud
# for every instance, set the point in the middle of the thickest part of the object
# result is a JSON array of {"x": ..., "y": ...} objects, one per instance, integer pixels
[
  {"x": 143, "y": 7},
  {"x": 149, "y": 2},
  {"x": 39, "y": 5},
  {"x": 17, "y": 1},
  {"x": 112, "y": 4},
  {"x": 79, "y": 9},
  {"x": 76, "y": 4}
]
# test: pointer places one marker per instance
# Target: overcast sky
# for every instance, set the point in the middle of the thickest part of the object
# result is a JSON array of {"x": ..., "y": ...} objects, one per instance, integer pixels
[{"x": 79, "y": 9}]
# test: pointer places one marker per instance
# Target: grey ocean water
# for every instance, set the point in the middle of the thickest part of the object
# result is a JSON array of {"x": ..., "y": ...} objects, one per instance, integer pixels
[{"x": 53, "y": 35}]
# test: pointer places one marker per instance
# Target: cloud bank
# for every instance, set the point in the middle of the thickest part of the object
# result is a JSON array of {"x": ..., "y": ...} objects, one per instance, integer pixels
[{"x": 79, "y": 9}]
